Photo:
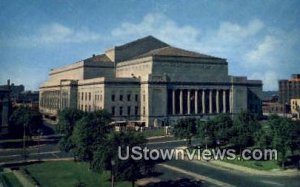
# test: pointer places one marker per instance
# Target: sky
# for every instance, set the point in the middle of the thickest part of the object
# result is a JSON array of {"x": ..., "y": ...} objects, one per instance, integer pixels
[{"x": 259, "y": 39}]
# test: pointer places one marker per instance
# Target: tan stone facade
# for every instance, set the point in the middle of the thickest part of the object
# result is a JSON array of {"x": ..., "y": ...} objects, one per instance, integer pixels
[{"x": 147, "y": 80}]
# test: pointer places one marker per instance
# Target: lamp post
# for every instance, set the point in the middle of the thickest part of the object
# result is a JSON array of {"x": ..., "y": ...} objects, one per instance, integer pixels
[
  {"x": 40, "y": 133},
  {"x": 112, "y": 173},
  {"x": 24, "y": 144}
]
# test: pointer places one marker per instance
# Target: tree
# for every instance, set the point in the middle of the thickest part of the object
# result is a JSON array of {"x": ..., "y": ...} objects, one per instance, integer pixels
[
  {"x": 221, "y": 128},
  {"x": 206, "y": 133},
  {"x": 243, "y": 131},
  {"x": 89, "y": 133},
  {"x": 186, "y": 128},
  {"x": 67, "y": 119},
  {"x": 24, "y": 117},
  {"x": 128, "y": 169}
]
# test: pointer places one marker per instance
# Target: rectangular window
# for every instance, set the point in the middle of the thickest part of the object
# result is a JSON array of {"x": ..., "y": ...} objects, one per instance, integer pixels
[
  {"x": 144, "y": 111},
  {"x": 136, "y": 97},
  {"x": 86, "y": 96},
  {"x": 121, "y": 97},
  {"x": 136, "y": 110},
  {"x": 128, "y": 97},
  {"x": 128, "y": 110},
  {"x": 113, "y": 97},
  {"x": 82, "y": 96},
  {"x": 121, "y": 111},
  {"x": 113, "y": 110},
  {"x": 90, "y": 96}
]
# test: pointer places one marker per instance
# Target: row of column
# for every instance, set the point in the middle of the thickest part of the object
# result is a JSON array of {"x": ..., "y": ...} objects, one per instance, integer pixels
[{"x": 210, "y": 101}]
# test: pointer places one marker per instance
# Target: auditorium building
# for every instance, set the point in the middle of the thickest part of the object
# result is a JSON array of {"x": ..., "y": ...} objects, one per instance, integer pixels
[{"x": 150, "y": 82}]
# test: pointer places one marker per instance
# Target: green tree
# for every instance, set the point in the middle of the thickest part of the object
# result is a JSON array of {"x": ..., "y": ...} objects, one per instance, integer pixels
[
  {"x": 89, "y": 133},
  {"x": 186, "y": 128},
  {"x": 128, "y": 169},
  {"x": 25, "y": 117},
  {"x": 206, "y": 133},
  {"x": 221, "y": 127},
  {"x": 243, "y": 131},
  {"x": 67, "y": 119}
]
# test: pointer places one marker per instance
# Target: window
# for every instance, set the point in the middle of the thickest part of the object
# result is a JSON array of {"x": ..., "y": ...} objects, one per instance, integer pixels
[
  {"x": 136, "y": 97},
  {"x": 128, "y": 97},
  {"x": 136, "y": 110},
  {"x": 144, "y": 111},
  {"x": 113, "y": 110},
  {"x": 121, "y": 97},
  {"x": 113, "y": 97},
  {"x": 89, "y": 96},
  {"x": 100, "y": 98},
  {"x": 121, "y": 111},
  {"x": 85, "y": 96},
  {"x": 89, "y": 108},
  {"x": 82, "y": 96},
  {"x": 85, "y": 108},
  {"x": 128, "y": 110}
]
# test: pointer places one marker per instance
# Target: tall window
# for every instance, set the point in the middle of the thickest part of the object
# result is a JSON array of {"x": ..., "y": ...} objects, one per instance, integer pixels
[
  {"x": 113, "y": 111},
  {"x": 136, "y": 97},
  {"x": 121, "y": 111},
  {"x": 136, "y": 110},
  {"x": 128, "y": 110},
  {"x": 121, "y": 97},
  {"x": 128, "y": 97},
  {"x": 90, "y": 96},
  {"x": 113, "y": 97}
]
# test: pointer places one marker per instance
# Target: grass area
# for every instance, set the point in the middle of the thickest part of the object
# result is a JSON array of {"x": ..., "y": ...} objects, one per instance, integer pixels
[
  {"x": 259, "y": 165},
  {"x": 10, "y": 179},
  {"x": 68, "y": 173},
  {"x": 154, "y": 132}
]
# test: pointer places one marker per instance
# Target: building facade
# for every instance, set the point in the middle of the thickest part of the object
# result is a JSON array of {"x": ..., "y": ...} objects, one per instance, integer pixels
[
  {"x": 295, "y": 108},
  {"x": 289, "y": 89},
  {"x": 151, "y": 82}
]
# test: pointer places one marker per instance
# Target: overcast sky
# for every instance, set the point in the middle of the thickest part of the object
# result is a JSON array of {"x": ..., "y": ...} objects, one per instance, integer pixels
[{"x": 259, "y": 39}]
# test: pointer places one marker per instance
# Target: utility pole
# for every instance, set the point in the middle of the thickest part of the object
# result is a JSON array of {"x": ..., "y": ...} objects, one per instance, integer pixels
[{"x": 24, "y": 142}]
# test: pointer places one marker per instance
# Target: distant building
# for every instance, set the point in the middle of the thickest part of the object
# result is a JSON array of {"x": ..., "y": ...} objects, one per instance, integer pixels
[
  {"x": 150, "y": 82},
  {"x": 5, "y": 107},
  {"x": 15, "y": 90},
  {"x": 28, "y": 99},
  {"x": 289, "y": 89},
  {"x": 295, "y": 108}
]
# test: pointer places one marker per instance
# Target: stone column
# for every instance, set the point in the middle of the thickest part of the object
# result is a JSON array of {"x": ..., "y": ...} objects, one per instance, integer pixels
[
  {"x": 189, "y": 102},
  {"x": 203, "y": 101},
  {"x": 224, "y": 101},
  {"x": 196, "y": 101},
  {"x": 210, "y": 102},
  {"x": 173, "y": 102},
  {"x": 217, "y": 101},
  {"x": 181, "y": 102}
]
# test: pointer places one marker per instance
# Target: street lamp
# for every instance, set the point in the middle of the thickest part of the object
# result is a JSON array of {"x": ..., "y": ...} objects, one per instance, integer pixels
[
  {"x": 24, "y": 144},
  {"x": 112, "y": 172},
  {"x": 40, "y": 133}
]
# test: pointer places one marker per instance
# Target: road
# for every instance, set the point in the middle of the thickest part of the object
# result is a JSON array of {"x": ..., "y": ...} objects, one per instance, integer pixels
[{"x": 234, "y": 178}]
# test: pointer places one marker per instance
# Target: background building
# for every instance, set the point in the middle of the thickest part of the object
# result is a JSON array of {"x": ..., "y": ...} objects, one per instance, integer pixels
[
  {"x": 295, "y": 108},
  {"x": 289, "y": 89},
  {"x": 150, "y": 82},
  {"x": 5, "y": 107}
]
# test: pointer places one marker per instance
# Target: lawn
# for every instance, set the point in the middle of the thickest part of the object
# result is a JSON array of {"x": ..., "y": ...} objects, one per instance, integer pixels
[
  {"x": 10, "y": 179},
  {"x": 154, "y": 132},
  {"x": 68, "y": 173},
  {"x": 259, "y": 165}
]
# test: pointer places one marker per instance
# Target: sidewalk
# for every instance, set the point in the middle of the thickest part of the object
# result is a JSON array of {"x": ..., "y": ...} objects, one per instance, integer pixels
[{"x": 229, "y": 166}]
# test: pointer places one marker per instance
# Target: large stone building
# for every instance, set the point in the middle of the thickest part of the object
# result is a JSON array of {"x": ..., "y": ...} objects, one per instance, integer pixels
[
  {"x": 151, "y": 82},
  {"x": 289, "y": 89}
]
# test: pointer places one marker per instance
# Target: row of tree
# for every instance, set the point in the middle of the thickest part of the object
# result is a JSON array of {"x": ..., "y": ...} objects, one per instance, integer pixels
[
  {"x": 89, "y": 137},
  {"x": 243, "y": 131}
]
